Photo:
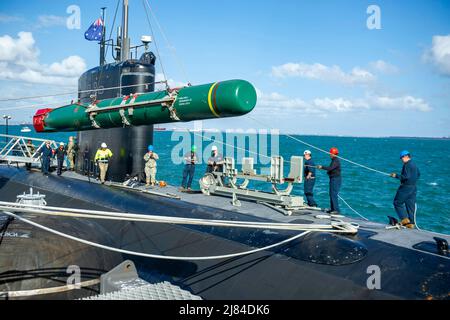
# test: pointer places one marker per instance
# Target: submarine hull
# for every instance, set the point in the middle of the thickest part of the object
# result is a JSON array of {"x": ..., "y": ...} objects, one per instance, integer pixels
[{"x": 288, "y": 272}]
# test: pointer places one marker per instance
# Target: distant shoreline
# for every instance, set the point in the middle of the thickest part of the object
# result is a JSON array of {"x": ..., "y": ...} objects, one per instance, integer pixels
[{"x": 283, "y": 134}]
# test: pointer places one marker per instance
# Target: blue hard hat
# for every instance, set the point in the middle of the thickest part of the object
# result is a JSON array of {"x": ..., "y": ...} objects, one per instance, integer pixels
[
  {"x": 150, "y": 148},
  {"x": 404, "y": 153}
]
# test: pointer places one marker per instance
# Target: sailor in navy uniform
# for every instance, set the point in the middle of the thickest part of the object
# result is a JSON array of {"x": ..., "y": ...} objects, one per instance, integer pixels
[
  {"x": 309, "y": 173},
  {"x": 405, "y": 199}
]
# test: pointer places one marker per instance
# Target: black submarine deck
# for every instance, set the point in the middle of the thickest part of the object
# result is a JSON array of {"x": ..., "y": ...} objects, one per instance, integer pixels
[{"x": 316, "y": 267}]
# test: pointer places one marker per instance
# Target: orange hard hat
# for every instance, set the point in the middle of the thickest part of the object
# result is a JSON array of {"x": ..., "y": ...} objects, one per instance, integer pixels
[
  {"x": 162, "y": 184},
  {"x": 334, "y": 151}
]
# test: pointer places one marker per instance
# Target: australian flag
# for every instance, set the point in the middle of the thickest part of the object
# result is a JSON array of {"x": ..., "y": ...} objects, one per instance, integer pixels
[{"x": 95, "y": 31}]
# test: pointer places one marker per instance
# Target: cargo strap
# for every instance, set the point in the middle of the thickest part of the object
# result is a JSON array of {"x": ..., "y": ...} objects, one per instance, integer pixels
[
  {"x": 125, "y": 120},
  {"x": 169, "y": 105},
  {"x": 91, "y": 110}
]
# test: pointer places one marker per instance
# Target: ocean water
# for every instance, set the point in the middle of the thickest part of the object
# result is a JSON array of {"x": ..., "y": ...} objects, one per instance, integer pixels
[{"x": 370, "y": 193}]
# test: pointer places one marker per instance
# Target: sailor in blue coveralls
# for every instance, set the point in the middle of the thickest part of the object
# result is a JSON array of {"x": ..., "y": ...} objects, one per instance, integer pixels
[
  {"x": 309, "y": 173},
  {"x": 46, "y": 152},
  {"x": 405, "y": 199},
  {"x": 334, "y": 172}
]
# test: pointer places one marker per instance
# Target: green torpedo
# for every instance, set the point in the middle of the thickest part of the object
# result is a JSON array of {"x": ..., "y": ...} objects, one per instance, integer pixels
[{"x": 215, "y": 100}]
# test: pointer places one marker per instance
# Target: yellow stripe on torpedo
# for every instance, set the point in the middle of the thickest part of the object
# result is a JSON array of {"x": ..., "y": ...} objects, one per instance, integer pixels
[{"x": 210, "y": 102}]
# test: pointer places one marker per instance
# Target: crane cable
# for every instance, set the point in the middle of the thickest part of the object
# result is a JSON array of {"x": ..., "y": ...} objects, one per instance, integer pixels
[
  {"x": 156, "y": 45},
  {"x": 168, "y": 44},
  {"x": 81, "y": 91}
]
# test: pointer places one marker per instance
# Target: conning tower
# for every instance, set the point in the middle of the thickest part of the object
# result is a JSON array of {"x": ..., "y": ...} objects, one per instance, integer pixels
[{"x": 126, "y": 75}]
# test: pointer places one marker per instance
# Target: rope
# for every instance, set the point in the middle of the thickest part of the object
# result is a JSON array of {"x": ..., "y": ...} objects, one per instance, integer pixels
[
  {"x": 340, "y": 226},
  {"x": 35, "y": 292},
  {"x": 53, "y": 104},
  {"x": 171, "y": 48},
  {"x": 359, "y": 214},
  {"x": 112, "y": 28},
  {"x": 423, "y": 230},
  {"x": 107, "y": 47},
  {"x": 154, "y": 256},
  {"x": 230, "y": 145},
  {"x": 156, "y": 44},
  {"x": 324, "y": 151},
  {"x": 81, "y": 91}
]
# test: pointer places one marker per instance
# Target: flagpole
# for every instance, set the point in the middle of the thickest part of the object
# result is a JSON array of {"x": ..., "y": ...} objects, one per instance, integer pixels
[{"x": 102, "y": 43}]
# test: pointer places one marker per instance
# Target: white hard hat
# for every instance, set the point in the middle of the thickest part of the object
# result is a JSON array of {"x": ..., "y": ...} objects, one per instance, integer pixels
[
  {"x": 104, "y": 145},
  {"x": 61, "y": 143},
  {"x": 307, "y": 152},
  {"x": 214, "y": 148}
]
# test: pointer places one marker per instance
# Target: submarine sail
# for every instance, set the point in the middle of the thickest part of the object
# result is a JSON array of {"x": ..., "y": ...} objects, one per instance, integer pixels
[{"x": 126, "y": 76}]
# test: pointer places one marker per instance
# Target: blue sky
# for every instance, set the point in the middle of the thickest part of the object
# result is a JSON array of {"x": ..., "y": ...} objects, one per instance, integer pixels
[{"x": 317, "y": 67}]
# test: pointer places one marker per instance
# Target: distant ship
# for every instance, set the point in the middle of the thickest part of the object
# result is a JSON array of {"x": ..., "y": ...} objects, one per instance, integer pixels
[
  {"x": 25, "y": 128},
  {"x": 158, "y": 128}
]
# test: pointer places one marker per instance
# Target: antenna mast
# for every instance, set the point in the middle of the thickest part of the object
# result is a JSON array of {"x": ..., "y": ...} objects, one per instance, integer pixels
[{"x": 125, "y": 52}]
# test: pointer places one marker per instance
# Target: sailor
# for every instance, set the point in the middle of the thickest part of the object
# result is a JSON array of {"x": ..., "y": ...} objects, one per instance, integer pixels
[
  {"x": 46, "y": 153},
  {"x": 72, "y": 149},
  {"x": 405, "y": 199},
  {"x": 31, "y": 150},
  {"x": 215, "y": 162},
  {"x": 60, "y": 154},
  {"x": 150, "y": 166},
  {"x": 309, "y": 173},
  {"x": 102, "y": 158},
  {"x": 190, "y": 160},
  {"x": 334, "y": 172}
]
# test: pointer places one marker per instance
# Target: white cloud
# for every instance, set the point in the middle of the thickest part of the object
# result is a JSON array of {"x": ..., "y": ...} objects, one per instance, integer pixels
[
  {"x": 439, "y": 54},
  {"x": 339, "y": 104},
  {"x": 72, "y": 66},
  {"x": 19, "y": 59},
  {"x": 403, "y": 102},
  {"x": 20, "y": 50},
  {"x": 278, "y": 103},
  {"x": 45, "y": 21},
  {"x": 322, "y": 72},
  {"x": 172, "y": 83},
  {"x": 4, "y": 18},
  {"x": 384, "y": 67}
]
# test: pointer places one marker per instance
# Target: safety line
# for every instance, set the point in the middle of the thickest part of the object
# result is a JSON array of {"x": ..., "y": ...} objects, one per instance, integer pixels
[{"x": 155, "y": 256}]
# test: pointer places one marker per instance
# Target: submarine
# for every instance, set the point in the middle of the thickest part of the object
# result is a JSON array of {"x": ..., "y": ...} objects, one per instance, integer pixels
[{"x": 341, "y": 258}]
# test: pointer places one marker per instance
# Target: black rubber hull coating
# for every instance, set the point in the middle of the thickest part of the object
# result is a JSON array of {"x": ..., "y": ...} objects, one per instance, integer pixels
[{"x": 283, "y": 273}]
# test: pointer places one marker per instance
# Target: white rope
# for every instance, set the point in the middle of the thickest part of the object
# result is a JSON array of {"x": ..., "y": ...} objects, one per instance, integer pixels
[
  {"x": 227, "y": 144},
  {"x": 156, "y": 44},
  {"x": 337, "y": 226},
  {"x": 81, "y": 91},
  {"x": 168, "y": 44},
  {"x": 35, "y": 292},
  {"x": 423, "y": 230},
  {"x": 324, "y": 151},
  {"x": 359, "y": 214},
  {"x": 155, "y": 256}
]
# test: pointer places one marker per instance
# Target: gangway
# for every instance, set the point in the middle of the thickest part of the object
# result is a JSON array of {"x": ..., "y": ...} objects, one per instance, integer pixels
[{"x": 15, "y": 149}]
